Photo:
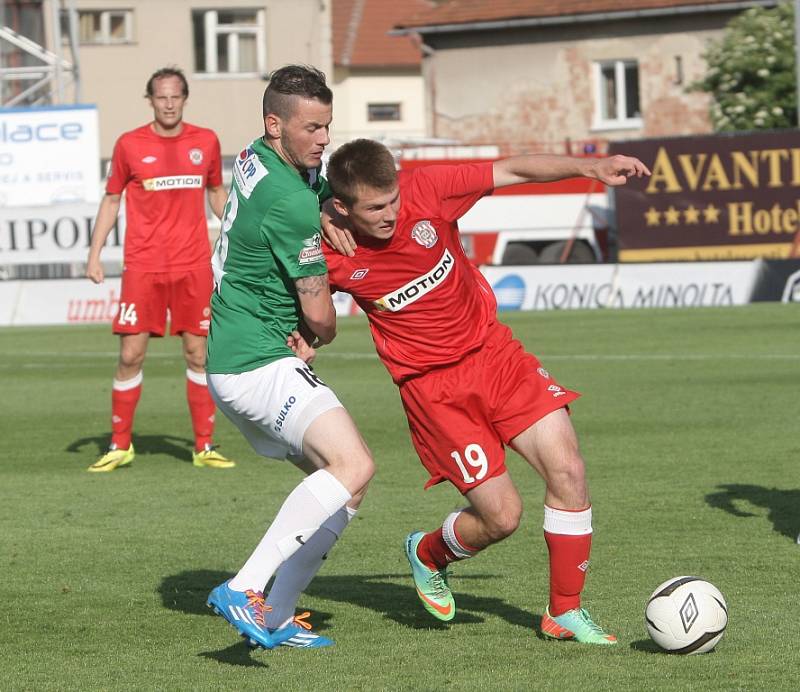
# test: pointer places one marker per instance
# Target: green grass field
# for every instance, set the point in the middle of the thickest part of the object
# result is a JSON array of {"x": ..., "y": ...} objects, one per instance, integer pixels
[{"x": 689, "y": 424}]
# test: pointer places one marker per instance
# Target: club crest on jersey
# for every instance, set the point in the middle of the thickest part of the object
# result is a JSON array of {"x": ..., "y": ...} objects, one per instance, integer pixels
[
  {"x": 312, "y": 250},
  {"x": 196, "y": 156},
  {"x": 424, "y": 233},
  {"x": 248, "y": 171}
]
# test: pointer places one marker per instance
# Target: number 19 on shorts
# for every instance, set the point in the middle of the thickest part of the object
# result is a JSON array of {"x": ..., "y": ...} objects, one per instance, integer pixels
[{"x": 473, "y": 461}]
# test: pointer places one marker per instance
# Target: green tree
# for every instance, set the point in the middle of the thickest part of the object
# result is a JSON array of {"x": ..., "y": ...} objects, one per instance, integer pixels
[{"x": 751, "y": 72}]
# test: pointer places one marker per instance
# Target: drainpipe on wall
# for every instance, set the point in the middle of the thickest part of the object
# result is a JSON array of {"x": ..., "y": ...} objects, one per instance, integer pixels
[{"x": 427, "y": 53}]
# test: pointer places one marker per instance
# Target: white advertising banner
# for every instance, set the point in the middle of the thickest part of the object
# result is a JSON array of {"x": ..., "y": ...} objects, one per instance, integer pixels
[
  {"x": 68, "y": 301},
  {"x": 79, "y": 301},
  {"x": 566, "y": 287},
  {"x": 589, "y": 286},
  {"x": 57, "y": 233},
  {"x": 48, "y": 155}
]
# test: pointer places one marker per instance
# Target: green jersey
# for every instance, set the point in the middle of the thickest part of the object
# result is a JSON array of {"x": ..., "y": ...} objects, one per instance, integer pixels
[{"x": 270, "y": 236}]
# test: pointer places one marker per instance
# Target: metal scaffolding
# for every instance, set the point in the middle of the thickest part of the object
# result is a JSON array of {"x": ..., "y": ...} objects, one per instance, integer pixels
[{"x": 41, "y": 75}]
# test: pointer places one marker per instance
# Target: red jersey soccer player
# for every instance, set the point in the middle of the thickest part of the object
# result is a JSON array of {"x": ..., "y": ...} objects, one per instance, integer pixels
[
  {"x": 467, "y": 386},
  {"x": 164, "y": 167}
]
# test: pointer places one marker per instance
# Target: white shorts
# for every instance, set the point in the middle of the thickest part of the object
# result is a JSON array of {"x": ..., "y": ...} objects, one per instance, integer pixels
[{"x": 273, "y": 405}]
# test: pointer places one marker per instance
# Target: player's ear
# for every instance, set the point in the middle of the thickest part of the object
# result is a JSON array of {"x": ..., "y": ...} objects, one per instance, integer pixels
[
  {"x": 340, "y": 207},
  {"x": 272, "y": 126}
]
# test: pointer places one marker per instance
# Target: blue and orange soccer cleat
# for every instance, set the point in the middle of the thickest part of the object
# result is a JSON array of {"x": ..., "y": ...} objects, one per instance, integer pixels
[
  {"x": 432, "y": 587},
  {"x": 575, "y": 624},
  {"x": 245, "y": 611},
  {"x": 296, "y": 632}
]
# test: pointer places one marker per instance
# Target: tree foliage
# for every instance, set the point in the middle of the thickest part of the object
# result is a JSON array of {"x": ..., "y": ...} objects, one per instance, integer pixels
[{"x": 751, "y": 72}]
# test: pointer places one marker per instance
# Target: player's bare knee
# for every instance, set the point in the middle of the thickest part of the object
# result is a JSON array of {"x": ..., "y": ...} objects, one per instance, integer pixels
[
  {"x": 195, "y": 360},
  {"x": 353, "y": 469},
  {"x": 502, "y": 528},
  {"x": 195, "y": 357},
  {"x": 131, "y": 360},
  {"x": 500, "y": 525},
  {"x": 568, "y": 472},
  {"x": 575, "y": 471},
  {"x": 361, "y": 469}
]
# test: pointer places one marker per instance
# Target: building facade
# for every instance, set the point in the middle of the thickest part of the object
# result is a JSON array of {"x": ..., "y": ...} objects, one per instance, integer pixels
[
  {"x": 226, "y": 52},
  {"x": 530, "y": 74}
]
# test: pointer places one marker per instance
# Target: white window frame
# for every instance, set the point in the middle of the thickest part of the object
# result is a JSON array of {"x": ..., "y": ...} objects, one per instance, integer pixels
[
  {"x": 621, "y": 122},
  {"x": 105, "y": 38},
  {"x": 212, "y": 29}
]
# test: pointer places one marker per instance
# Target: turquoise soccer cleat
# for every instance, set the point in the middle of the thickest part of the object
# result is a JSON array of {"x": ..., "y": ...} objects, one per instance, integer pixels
[
  {"x": 575, "y": 624},
  {"x": 297, "y": 633},
  {"x": 432, "y": 587},
  {"x": 245, "y": 611}
]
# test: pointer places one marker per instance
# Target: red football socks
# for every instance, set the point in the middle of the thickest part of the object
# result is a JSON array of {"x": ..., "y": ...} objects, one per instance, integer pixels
[
  {"x": 433, "y": 551},
  {"x": 124, "y": 398},
  {"x": 439, "y": 548},
  {"x": 569, "y": 560},
  {"x": 569, "y": 542},
  {"x": 201, "y": 408}
]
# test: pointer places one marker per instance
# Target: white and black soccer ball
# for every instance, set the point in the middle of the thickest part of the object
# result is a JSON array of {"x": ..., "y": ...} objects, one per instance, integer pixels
[{"x": 686, "y": 615}]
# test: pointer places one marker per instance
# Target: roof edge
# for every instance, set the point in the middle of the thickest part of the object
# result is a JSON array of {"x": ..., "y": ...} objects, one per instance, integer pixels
[{"x": 579, "y": 18}]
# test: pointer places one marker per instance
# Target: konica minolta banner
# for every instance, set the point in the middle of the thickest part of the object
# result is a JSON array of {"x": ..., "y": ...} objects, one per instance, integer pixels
[{"x": 567, "y": 287}]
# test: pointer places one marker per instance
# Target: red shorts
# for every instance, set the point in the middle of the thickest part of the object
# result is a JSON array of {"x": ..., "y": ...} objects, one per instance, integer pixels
[
  {"x": 147, "y": 296},
  {"x": 462, "y": 416}
]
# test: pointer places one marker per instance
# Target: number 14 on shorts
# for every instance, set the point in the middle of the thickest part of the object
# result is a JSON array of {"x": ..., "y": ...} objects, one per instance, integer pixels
[{"x": 127, "y": 314}]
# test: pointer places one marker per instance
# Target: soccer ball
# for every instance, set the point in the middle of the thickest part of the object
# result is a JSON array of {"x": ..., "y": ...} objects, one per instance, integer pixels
[{"x": 686, "y": 615}]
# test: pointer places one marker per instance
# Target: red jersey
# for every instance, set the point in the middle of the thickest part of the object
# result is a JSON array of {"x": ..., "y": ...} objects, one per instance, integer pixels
[
  {"x": 427, "y": 304},
  {"x": 164, "y": 179}
]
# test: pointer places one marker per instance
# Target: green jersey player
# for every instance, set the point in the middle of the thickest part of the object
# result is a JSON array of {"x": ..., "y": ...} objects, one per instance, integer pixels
[{"x": 271, "y": 289}]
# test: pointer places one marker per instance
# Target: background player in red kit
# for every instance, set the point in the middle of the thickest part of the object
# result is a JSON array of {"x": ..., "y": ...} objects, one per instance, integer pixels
[
  {"x": 467, "y": 386},
  {"x": 165, "y": 168}
]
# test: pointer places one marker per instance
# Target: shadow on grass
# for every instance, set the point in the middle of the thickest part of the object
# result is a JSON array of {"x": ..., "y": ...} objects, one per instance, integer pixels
[
  {"x": 187, "y": 592},
  {"x": 647, "y": 646},
  {"x": 783, "y": 505},
  {"x": 236, "y": 655},
  {"x": 178, "y": 447}
]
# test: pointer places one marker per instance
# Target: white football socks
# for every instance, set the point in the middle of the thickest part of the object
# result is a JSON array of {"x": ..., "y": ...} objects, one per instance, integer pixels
[
  {"x": 307, "y": 507},
  {"x": 297, "y": 572}
]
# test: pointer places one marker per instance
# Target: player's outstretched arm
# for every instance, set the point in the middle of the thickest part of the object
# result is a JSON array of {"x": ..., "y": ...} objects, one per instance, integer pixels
[
  {"x": 544, "y": 168},
  {"x": 615, "y": 170},
  {"x": 106, "y": 218},
  {"x": 316, "y": 305}
]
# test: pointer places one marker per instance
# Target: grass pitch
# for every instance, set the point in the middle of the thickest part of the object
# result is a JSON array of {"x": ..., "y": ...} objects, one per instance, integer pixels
[{"x": 688, "y": 422}]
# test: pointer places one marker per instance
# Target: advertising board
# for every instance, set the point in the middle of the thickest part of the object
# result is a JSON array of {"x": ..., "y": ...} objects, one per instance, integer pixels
[
  {"x": 49, "y": 155},
  {"x": 716, "y": 197},
  {"x": 55, "y": 233}
]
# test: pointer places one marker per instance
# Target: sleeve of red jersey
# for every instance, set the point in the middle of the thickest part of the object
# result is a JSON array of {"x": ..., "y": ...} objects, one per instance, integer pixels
[
  {"x": 120, "y": 172},
  {"x": 214, "y": 178},
  {"x": 334, "y": 260},
  {"x": 456, "y": 188}
]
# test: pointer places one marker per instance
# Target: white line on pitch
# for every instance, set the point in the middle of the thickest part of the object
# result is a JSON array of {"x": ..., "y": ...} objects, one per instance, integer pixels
[{"x": 371, "y": 356}]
